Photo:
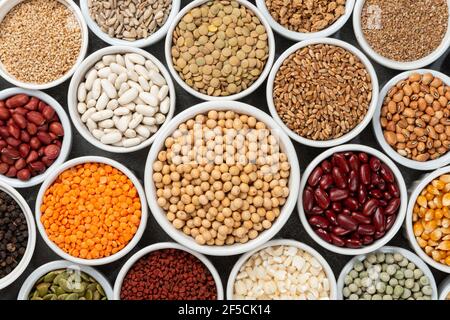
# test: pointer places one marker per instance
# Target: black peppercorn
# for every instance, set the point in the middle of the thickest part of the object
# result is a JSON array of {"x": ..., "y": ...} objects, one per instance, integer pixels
[{"x": 13, "y": 234}]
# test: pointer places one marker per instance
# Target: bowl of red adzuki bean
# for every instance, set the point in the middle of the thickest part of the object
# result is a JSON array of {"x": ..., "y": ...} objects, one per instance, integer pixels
[
  {"x": 168, "y": 271},
  {"x": 353, "y": 199},
  {"x": 35, "y": 136}
]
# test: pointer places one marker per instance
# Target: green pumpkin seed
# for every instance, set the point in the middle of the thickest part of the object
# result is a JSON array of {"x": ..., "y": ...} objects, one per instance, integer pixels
[
  {"x": 97, "y": 295},
  {"x": 104, "y": 298},
  {"x": 59, "y": 276},
  {"x": 79, "y": 287},
  {"x": 63, "y": 296},
  {"x": 36, "y": 298},
  {"x": 65, "y": 285},
  {"x": 50, "y": 296},
  {"x": 100, "y": 289},
  {"x": 72, "y": 296},
  {"x": 92, "y": 287},
  {"x": 88, "y": 295},
  {"x": 50, "y": 277},
  {"x": 82, "y": 298},
  {"x": 42, "y": 288}
]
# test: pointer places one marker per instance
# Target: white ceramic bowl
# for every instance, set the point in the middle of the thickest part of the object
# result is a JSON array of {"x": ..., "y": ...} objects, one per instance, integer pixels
[
  {"x": 237, "y": 96},
  {"x": 29, "y": 283},
  {"x": 25, "y": 260},
  {"x": 66, "y": 142},
  {"x": 285, "y": 146},
  {"x": 444, "y": 289},
  {"x": 349, "y": 135},
  {"x": 78, "y": 77},
  {"x": 160, "y": 246},
  {"x": 413, "y": 164},
  {"x": 388, "y": 249},
  {"x": 401, "y": 211},
  {"x": 74, "y": 162},
  {"x": 6, "y": 6},
  {"x": 300, "y": 36},
  {"x": 282, "y": 242},
  {"x": 141, "y": 43},
  {"x": 415, "y": 190},
  {"x": 392, "y": 64}
]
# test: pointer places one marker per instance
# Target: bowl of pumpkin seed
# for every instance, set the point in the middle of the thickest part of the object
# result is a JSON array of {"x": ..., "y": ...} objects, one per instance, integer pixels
[{"x": 64, "y": 280}]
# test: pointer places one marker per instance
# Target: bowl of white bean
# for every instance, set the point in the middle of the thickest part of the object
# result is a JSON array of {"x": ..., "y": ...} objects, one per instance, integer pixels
[{"x": 120, "y": 97}]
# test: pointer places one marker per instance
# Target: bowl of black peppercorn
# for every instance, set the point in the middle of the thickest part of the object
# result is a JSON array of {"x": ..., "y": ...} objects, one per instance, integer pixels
[{"x": 17, "y": 235}]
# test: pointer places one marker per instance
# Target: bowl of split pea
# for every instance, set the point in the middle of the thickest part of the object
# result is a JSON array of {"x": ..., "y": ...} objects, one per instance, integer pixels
[{"x": 91, "y": 210}]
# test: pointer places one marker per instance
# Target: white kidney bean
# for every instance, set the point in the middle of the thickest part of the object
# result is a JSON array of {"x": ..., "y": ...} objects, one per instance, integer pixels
[{"x": 123, "y": 100}]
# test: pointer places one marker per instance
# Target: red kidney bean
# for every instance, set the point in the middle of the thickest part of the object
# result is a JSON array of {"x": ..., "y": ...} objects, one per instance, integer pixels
[
  {"x": 367, "y": 240},
  {"x": 316, "y": 210},
  {"x": 387, "y": 195},
  {"x": 347, "y": 222},
  {"x": 321, "y": 198},
  {"x": 393, "y": 189},
  {"x": 338, "y": 178},
  {"x": 392, "y": 207},
  {"x": 339, "y": 231},
  {"x": 326, "y": 182},
  {"x": 354, "y": 162},
  {"x": 379, "y": 220},
  {"x": 376, "y": 193},
  {"x": 308, "y": 199},
  {"x": 315, "y": 176},
  {"x": 319, "y": 222},
  {"x": 390, "y": 220},
  {"x": 346, "y": 211},
  {"x": 341, "y": 162},
  {"x": 379, "y": 235},
  {"x": 364, "y": 174},
  {"x": 336, "y": 240},
  {"x": 386, "y": 173},
  {"x": 324, "y": 235},
  {"x": 366, "y": 229},
  {"x": 360, "y": 218},
  {"x": 370, "y": 207},
  {"x": 375, "y": 164},
  {"x": 351, "y": 203},
  {"x": 362, "y": 194},
  {"x": 326, "y": 166},
  {"x": 375, "y": 178},
  {"x": 331, "y": 216},
  {"x": 353, "y": 243},
  {"x": 338, "y": 194},
  {"x": 336, "y": 206},
  {"x": 382, "y": 185},
  {"x": 382, "y": 203},
  {"x": 363, "y": 157}
]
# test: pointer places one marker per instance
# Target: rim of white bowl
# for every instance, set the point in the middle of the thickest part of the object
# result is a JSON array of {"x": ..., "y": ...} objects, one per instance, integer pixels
[
  {"x": 388, "y": 249},
  {"x": 426, "y": 179},
  {"x": 31, "y": 243},
  {"x": 255, "y": 85},
  {"x": 401, "y": 211},
  {"x": 7, "y": 6},
  {"x": 63, "y": 264},
  {"x": 349, "y": 135},
  {"x": 282, "y": 242},
  {"x": 300, "y": 36},
  {"x": 161, "y": 246},
  {"x": 392, "y": 64},
  {"x": 141, "y": 43},
  {"x": 78, "y": 77},
  {"x": 444, "y": 289},
  {"x": 413, "y": 164},
  {"x": 92, "y": 159},
  {"x": 286, "y": 146},
  {"x": 66, "y": 141}
]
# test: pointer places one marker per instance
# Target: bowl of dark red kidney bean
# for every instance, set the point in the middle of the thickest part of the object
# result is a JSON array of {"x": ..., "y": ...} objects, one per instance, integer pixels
[
  {"x": 352, "y": 199},
  {"x": 35, "y": 135},
  {"x": 17, "y": 235}
]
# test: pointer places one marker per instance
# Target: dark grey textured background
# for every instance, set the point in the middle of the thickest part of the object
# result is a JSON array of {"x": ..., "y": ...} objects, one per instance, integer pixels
[{"x": 135, "y": 161}]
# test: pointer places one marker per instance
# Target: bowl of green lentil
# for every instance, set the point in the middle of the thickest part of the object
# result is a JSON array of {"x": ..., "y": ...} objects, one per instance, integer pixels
[
  {"x": 42, "y": 42},
  {"x": 64, "y": 280},
  {"x": 220, "y": 50},
  {"x": 390, "y": 273}
]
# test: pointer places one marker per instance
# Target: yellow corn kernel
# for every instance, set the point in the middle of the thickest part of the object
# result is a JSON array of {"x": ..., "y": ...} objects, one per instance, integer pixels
[
  {"x": 438, "y": 214},
  {"x": 445, "y": 230},
  {"x": 430, "y": 226},
  {"x": 429, "y": 215},
  {"x": 425, "y": 236},
  {"x": 446, "y": 188},
  {"x": 428, "y": 250},
  {"x": 432, "y": 205},
  {"x": 436, "y": 235},
  {"x": 446, "y": 199},
  {"x": 438, "y": 202},
  {"x": 422, "y": 243},
  {"x": 422, "y": 201},
  {"x": 432, "y": 189},
  {"x": 445, "y": 222},
  {"x": 429, "y": 196},
  {"x": 447, "y": 261},
  {"x": 432, "y": 243},
  {"x": 438, "y": 184},
  {"x": 436, "y": 255},
  {"x": 444, "y": 245},
  {"x": 445, "y": 178},
  {"x": 416, "y": 208},
  {"x": 447, "y": 237},
  {"x": 418, "y": 229}
]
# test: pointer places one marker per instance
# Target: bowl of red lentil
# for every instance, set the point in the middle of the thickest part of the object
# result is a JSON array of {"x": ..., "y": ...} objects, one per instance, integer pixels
[
  {"x": 42, "y": 42},
  {"x": 303, "y": 20},
  {"x": 91, "y": 210},
  {"x": 168, "y": 271},
  {"x": 322, "y": 92},
  {"x": 428, "y": 219},
  {"x": 402, "y": 37},
  {"x": 189, "y": 213},
  {"x": 412, "y": 119}
]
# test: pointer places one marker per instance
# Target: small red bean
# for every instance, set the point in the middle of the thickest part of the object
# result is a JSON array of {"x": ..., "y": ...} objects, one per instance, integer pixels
[
  {"x": 20, "y": 120},
  {"x": 16, "y": 101},
  {"x": 3, "y": 168},
  {"x": 32, "y": 105},
  {"x": 24, "y": 174}
]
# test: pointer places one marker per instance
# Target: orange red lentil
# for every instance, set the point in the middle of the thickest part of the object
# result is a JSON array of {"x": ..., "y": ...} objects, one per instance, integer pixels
[
  {"x": 91, "y": 211},
  {"x": 431, "y": 219}
]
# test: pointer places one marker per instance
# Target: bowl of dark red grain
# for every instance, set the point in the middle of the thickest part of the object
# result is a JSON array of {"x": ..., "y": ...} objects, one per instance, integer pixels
[
  {"x": 322, "y": 92},
  {"x": 352, "y": 199},
  {"x": 17, "y": 235},
  {"x": 402, "y": 37},
  {"x": 168, "y": 271}
]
